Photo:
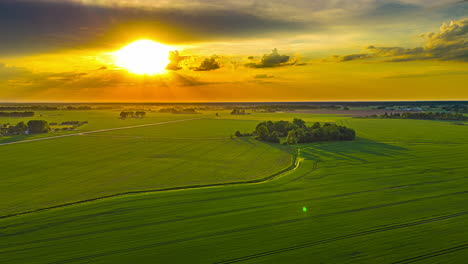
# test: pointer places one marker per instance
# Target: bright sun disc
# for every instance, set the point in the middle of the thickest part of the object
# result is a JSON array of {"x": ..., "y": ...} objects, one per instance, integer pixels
[{"x": 143, "y": 57}]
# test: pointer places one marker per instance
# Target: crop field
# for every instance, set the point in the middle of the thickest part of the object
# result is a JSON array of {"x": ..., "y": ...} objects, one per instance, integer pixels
[
  {"x": 98, "y": 119},
  {"x": 81, "y": 167},
  {"x": 395, "y": 195}
]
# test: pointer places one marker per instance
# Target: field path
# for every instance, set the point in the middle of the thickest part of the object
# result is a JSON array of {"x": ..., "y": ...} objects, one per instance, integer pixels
[{"x": 101, "y": 130}]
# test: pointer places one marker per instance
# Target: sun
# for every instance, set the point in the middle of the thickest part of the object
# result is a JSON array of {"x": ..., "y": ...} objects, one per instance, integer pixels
[{"x": 143, "y": 57}]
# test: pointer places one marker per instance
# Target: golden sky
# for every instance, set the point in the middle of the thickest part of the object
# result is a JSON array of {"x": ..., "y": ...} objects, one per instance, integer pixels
[{"x": 242, "y": 50}]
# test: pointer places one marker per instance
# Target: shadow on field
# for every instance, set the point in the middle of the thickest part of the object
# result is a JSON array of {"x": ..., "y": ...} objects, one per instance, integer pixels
[
  {"x": 251, "y": 140},
  {"x": 352, "y": 150},
  {"x": 8, "y": 139}
]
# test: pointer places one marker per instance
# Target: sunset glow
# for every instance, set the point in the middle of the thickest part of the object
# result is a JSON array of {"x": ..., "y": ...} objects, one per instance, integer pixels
[{"x": 143, "y": 57}]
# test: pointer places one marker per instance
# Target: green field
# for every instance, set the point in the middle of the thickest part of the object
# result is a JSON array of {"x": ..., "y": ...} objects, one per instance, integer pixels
[
  {"x": 395, "y": 195},
  {"x": 98, "y": 119}
]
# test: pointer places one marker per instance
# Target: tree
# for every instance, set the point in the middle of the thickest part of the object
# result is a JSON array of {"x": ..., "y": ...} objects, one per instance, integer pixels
[
  {"x": 38, "y": 126},
  {"x": 291, "y": 138},
  {"x": 262, "y": 132},
  {"x": 21, "y": 127},
  {"x": 299, "y": 122},
  {"x": 123, "y": 115},
  {"x": 273, "y": 137},
  {"x": 238, "y": 134}
]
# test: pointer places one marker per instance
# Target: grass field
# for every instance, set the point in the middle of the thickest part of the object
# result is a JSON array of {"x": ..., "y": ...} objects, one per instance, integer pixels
[{"x": 395, "y": 195}]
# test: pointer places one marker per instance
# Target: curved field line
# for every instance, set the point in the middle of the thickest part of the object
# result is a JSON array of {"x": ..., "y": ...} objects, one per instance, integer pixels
[
  {"x": 193, "y": 217},
  {"x": 289, "y": 221},
  {"x": 352, "y": 235},
  {"x": 433, "y": 254},
  {"x": 294, "y": 165},
  {"x": 266, "y": 253},
  {"x": 97, "y": 131}
]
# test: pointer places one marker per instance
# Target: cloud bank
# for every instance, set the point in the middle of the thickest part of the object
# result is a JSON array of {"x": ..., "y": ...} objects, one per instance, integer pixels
[{"x": 449, "y": 44}]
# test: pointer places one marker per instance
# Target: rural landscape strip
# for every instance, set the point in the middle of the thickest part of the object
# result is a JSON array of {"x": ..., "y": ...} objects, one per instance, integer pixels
[
  {"x": 333, "y": 239},
  {"x": 185, "y": 218},
  {"x": 272, "y": 252},
  {"x": 294, "y": 165},
  {"x": 97, "y": 131}
]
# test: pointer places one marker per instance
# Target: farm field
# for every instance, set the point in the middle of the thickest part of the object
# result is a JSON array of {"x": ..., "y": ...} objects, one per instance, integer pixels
[
  {"x": 69, "y": 169},
  {"x": 395, "y": 195},
  {"x": 98, "y": 119}
]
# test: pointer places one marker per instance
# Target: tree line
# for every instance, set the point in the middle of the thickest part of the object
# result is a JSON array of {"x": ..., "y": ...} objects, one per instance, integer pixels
[
  {"x": 178, "y": 111},
  {"x": 72, "y": 124},
  {"x": 17, "y": 114},
  {"x": 424, "y": 116},
  {"x": 137, "y": 114},
  {"x": 298, "y": 132}
]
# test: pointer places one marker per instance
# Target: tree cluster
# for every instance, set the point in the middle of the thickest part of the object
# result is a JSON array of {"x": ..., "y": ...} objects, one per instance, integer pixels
[
  {"x": 32, "y": 127},
  {"x": 239, "y": 134},
  {"x": 78, "y": 107},
  {"x": 72, "y": 124},
  {"x": 298, "y": 132},
  {"x": 38, "y": 126},
  {"x": 78, "y": 123},
  {"x": 18, "y": 129},
  {"x": 137, "y": 114},
  {"x": 17, "y": 114},
  {"x": 424, "y": 116}
]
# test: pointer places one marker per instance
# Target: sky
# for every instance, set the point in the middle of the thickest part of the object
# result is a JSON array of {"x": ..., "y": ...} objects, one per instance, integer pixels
[{"x": 243, "y": 50}]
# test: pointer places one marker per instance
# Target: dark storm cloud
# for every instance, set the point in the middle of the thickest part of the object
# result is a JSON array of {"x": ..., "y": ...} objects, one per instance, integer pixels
[
  {"x": 274, "y": 59},
  {"x": 449, "y": 44},
  {"x": 208, "y": 64},
  {"x": 28, "y": 26}
]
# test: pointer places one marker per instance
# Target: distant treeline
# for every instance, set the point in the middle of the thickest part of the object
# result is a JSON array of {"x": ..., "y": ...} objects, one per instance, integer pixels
[
  {"x": 137, "y": 114},
  {"x": 288, "y": 107},
  {"x": 237, "y": 111},
  {"x": 51, "y": 108},
  {"x": 79, "y": 108},
  {"x": 28, "y": 107},
  {"x": 17, "y": 114},
  {"x": 298, "y": 132},
  {"x": 456, "y": 108},
  {"x": 70, "y": 123},
  {"x": 178, "y": 111},
  {"x": 423, "y": 116}
]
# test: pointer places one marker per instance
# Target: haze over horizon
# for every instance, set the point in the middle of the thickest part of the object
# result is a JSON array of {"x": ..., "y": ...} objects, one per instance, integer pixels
[{"x": 220, "y": 51}]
